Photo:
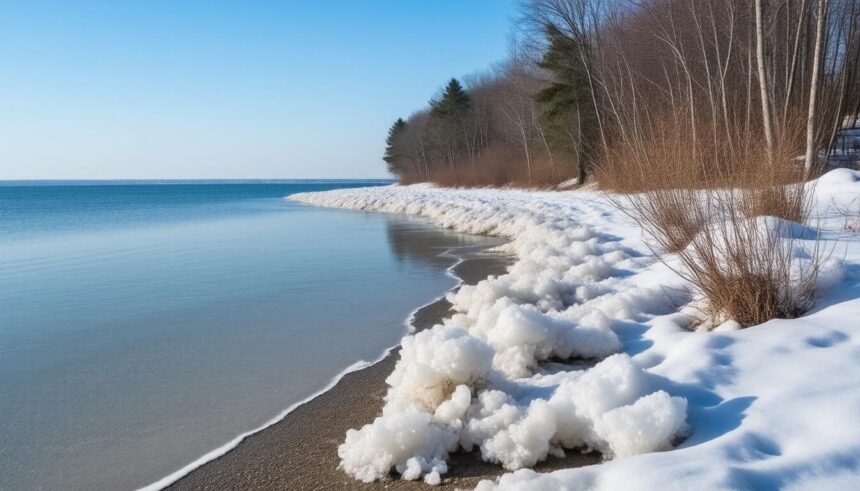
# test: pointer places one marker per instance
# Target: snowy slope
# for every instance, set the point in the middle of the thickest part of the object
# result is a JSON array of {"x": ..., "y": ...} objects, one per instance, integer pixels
[{"x": 773, "y": 406}]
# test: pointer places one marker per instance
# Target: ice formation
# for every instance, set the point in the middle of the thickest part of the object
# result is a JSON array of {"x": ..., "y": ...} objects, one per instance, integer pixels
[
  {"x": 475, "y": 381},
  {"x": 769, "y": 407}
]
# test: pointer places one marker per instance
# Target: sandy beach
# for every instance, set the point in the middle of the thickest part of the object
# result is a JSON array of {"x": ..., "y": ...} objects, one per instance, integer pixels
[{"x": 300, "y": 451}]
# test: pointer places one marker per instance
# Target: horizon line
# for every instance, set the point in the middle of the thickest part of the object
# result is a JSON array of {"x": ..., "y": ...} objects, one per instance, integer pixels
[{"x": 196, "y": 180}]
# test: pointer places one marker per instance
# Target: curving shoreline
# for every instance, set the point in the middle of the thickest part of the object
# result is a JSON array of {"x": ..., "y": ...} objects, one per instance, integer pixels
[
  {"x": 434, "y": 248},
  {"x": 300, "y": 450}
]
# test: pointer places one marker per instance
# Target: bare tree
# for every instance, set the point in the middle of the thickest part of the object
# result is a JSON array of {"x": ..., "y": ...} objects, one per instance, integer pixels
[
  {"x": 762, "y": 80},
  {"x": 813, "y": 87},
  {"x": 517, "y": 106}
]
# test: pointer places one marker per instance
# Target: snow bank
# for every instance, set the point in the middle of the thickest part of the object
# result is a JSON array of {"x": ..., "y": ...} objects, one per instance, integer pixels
[
  {"x": 477, "y": 381},
  {"x": 774, "y": 405}
]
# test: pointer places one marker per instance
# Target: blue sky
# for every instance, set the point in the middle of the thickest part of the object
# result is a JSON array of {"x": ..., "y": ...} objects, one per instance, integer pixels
[{"x": 226, "y": 89}]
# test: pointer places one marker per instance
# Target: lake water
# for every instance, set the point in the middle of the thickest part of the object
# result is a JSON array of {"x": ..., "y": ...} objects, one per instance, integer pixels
[{"x": 144, "y": 325}]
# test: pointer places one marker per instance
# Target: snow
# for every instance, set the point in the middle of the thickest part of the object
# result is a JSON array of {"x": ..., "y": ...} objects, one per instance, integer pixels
[
  {"x": 771, "y": 406},
  {"x": 568, "y": 184}
]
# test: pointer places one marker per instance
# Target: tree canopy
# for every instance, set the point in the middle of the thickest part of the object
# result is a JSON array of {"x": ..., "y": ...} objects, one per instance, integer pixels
[{"x": 567, "y": 107}]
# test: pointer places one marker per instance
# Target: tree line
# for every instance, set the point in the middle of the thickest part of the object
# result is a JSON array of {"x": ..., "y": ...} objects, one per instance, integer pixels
[{"x": 616, "y": 89}]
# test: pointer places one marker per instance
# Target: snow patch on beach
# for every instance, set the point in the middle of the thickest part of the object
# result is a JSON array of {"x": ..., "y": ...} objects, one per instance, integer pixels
[{"x": 580, "y": 347}]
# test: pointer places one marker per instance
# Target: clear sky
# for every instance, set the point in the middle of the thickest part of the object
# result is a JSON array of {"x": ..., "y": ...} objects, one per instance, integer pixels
[{"x": 143, "y": 89}]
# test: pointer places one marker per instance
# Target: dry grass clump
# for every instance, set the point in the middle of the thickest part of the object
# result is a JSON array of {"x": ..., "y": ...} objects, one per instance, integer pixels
[
  {"x": 788, "y": 201},
  {"x": 667, "y": 217},
  {"x": 705, "y": 202},
  {"x": 745, "y": 267},
  {"x": 775, "y": 187}
]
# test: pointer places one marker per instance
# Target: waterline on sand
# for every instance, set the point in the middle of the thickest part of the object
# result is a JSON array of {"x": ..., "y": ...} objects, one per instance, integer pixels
[{"x": 452, "y": 253}]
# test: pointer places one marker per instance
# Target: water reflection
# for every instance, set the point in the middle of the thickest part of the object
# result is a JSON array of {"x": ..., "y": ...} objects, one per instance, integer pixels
[
  {"x": 129, "y": 348},
  {"x": 411, "y": 239}
]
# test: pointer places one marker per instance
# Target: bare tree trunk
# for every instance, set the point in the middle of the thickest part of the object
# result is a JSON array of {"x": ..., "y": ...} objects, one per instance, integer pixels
[
  {"x": 749, "y": 98},
  {"x": 548, "y": 151},
  {"x": 794, "y": 53},
  {"x": 813, "y": 87},
  {"x": 724, "y": 67},
  {"x": 762, "y": 81},
  {"x": 708, "y": 77},
  {"x": 581, "y": 174},
  {"x": 522, "y": 126}
]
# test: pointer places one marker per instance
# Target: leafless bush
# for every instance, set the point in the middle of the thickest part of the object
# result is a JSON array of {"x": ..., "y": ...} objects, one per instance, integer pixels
[
  {"x": 786, "y": 201},
  {"x": 728, "y": 214},
  {"x": 850, "y": 214},
  {"x": 746, "y": 267},
  {"x": 665, "y": 215}
]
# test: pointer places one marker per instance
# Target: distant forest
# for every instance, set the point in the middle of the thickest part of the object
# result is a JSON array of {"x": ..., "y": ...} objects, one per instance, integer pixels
[{"x": 614, "y": 89}]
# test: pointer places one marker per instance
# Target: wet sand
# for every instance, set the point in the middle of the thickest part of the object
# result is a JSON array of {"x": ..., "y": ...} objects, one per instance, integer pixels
[{"x": 300, "y": 451}]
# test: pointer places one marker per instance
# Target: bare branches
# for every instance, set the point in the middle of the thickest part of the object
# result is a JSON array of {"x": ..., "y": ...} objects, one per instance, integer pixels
[{"x": 740, "y": 74}]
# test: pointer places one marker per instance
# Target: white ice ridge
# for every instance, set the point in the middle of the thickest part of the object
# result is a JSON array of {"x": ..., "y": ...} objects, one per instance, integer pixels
[
  {"x": 769, "y": 407},
  {"x": 482, "y": 378}
]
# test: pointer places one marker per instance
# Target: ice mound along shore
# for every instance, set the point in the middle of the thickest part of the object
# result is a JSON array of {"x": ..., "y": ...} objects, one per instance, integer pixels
[{"x": 476, "y": 380}]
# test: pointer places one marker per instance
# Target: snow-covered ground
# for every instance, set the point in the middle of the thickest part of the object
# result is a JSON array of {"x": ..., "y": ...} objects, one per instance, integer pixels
[{"x": 775, "y": 406}]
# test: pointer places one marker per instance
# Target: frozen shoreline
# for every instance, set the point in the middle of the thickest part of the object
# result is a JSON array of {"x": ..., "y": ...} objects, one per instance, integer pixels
[
  {"x": 457, "y": 257},
  {"x": 300, "y": 452},
  {"x": 770, "y": 406},
  {"x": 766, "y": 406}
]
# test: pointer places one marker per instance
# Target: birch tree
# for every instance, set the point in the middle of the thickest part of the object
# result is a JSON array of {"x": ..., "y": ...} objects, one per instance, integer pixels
[
  {"x": 813, "y": 86},
  {"x": 762, "y": 81}
]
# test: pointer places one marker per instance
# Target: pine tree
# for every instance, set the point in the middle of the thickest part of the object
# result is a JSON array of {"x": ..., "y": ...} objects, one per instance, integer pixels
[
  {"x": 454, "y": 102},
  {"x": 393, "y": 155},
  {"x": 448, "y": 116},
  {"x": 566, "y": 104}
]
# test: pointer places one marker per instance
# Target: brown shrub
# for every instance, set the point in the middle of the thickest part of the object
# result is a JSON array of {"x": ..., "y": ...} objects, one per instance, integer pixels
[
  {"x": 789, "y": 202},
  {"x": 745, "y": 266},
  {"x": 703, "y": 201},
  {"x": 665, "y": 215},
  {"x": 500, "y": 164}
]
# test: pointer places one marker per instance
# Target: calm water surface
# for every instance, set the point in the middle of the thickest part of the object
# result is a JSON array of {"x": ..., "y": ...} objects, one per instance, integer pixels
[{"x": 144, "y": 325}]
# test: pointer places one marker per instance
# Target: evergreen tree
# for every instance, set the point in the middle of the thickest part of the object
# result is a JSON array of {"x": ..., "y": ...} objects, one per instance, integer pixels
[
  {"x": 393, "y": 147},
  {"x": 566, "y": 105},
  {"x": 454, "y": 102},
  {"x": 448, "y": 118}
]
